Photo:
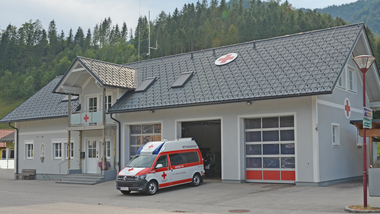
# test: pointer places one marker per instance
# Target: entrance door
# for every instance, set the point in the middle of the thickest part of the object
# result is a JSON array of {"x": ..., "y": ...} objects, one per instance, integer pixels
[{"x": 93, "y": 151}]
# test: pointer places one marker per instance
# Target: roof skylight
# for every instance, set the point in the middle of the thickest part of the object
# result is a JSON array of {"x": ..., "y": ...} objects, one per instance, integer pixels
[
  {"x": 182, "y": 79},
  {"x": 144, "y": 85}
]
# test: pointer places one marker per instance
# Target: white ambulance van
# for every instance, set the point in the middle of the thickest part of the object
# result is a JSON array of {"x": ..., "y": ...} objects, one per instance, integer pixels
[{"x": 162, "y": 164}]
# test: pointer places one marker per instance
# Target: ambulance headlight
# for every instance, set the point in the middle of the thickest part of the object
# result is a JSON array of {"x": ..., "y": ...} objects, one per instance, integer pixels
[{"x": 140, "y": 177}]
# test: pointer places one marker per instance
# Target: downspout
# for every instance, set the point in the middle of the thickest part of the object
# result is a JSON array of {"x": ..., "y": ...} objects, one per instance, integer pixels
[
  {"x": 16, "y": 148},
  {"x": 119, "y": 135}
]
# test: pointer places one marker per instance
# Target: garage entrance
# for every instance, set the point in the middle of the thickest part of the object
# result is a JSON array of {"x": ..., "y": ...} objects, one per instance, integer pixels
[{"x": 207, "y": 134}]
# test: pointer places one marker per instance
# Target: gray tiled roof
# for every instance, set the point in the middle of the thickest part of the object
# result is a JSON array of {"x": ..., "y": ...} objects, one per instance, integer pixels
[
  {"x": 8, "y": 138},
  {"x": 109, "y": 74},
  {"x": 43, "y": 104},
  {"x": 296, "y": 65}
]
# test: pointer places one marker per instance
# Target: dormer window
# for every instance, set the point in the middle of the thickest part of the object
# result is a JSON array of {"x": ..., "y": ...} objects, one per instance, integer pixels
[
  {"x": 144, "y": 85},
  {"x": 181, "y": 81},
  {"x": 73, "y": 97}
]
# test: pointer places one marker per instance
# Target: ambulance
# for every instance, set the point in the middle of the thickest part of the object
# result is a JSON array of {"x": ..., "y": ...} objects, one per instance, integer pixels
[{"x": 162, "y": 164}]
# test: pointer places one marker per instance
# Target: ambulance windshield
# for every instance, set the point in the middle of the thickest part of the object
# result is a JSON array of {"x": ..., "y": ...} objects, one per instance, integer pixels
[{"x": 142, "y": 161}]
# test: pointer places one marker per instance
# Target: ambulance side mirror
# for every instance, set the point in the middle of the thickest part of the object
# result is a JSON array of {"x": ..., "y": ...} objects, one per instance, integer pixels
[{"x": 159, "y": 166}]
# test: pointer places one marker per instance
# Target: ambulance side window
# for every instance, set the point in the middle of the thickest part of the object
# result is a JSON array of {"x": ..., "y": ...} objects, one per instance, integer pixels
[
  {"x": 162, "y": 160},
  {"x": 176, "y": 159}
]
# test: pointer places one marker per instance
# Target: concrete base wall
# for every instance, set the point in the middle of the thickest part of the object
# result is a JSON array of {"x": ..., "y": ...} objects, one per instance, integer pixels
[
  {"x": 7, "y": 174},
  {"x": 328, "y": 183}
]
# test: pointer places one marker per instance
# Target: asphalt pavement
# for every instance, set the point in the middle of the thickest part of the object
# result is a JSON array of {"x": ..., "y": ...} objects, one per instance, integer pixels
[{"x": 38, "y": 196}]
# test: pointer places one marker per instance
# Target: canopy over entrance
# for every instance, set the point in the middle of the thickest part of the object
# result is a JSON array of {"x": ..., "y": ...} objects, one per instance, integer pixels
[{"x": 374, "y": 136}]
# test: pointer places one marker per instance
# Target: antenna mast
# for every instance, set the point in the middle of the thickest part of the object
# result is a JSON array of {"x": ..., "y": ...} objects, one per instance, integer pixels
[
  {"x": 138, "y": 54},
  {"x": 149, "y": 33}
]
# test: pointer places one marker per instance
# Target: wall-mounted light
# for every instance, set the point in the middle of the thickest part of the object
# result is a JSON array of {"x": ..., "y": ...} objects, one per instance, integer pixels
[
  {"x": 249, "y": 103},
  {"x": 151, "y": 111}
]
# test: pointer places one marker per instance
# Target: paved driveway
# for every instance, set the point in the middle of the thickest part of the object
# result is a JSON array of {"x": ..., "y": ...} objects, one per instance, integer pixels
[{"x": 19, "y": 196}]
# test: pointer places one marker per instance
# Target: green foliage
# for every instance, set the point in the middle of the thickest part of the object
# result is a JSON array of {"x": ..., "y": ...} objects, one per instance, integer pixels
[
  {"x": 367, "y": 11},
  {"x": 6, "y": 107},
  {"x": 31, "y": 56}
]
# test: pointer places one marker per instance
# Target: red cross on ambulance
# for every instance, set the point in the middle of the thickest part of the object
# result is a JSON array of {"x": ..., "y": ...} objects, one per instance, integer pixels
[{"x": 164, "y": 175}]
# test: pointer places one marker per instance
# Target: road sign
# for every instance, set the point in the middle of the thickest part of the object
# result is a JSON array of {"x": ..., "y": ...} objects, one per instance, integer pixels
[
  {"x": 367, "y": 113},
  {"x": 367, "y": 123}
]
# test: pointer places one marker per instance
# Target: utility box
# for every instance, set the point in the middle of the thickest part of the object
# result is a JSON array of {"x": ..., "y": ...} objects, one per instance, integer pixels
[
  {"x": 374, "y": 182},
  {"x": 374, "y": 187}
]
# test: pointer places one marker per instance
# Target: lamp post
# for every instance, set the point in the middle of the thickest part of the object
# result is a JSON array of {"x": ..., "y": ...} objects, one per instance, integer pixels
[{"x": 364, "y": 62}]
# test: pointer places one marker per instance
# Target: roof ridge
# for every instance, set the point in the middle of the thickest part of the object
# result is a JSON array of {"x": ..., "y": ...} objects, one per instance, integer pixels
[
  {"x": 122, "y": 65},
  {"x": 248, "y": 42}
]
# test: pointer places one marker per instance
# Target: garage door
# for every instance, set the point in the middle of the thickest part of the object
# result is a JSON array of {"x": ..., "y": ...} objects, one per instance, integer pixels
[{"x": 270, "y": 149}]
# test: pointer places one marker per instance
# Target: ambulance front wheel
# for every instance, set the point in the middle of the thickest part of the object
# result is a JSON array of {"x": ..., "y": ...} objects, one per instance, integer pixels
[
  {"x": 196, "y": 180},
  {"x": 151, "y": 187}
]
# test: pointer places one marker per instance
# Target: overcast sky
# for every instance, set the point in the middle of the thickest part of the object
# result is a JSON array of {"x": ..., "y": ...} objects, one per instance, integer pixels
[{"x": 87, "y": 13}]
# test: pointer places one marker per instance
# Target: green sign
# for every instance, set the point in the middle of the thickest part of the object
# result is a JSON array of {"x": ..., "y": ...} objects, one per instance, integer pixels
[{"x": 367, "y": 123}]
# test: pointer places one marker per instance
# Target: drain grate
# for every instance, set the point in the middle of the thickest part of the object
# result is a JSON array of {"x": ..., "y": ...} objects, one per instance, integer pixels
[{"x": 239, "y": 211}]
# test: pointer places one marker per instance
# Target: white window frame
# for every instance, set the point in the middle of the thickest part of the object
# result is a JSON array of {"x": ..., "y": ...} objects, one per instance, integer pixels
[
  {"x": 106, "y": 103},
  {"x": 27, "y": 149},
  {"x": 351, "y": 72},
  {"x": 108, "y": 149},
  {"x": 341, "y": 81},
  {"x": 88, "y": 103},
  {"x": 72, "y": 151},
  {"x": 335, "y": 134},
  {"x": 54, "y": 143}
]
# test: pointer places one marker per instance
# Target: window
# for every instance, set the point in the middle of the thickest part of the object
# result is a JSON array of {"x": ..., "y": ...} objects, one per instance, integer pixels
[
  {"x": 351, "y": 79},
  {"x": 92, "y": 104},
  {"x": 144, "y": 85},
  {"x": 142, "y": 134},
  {"x": 108, "y": 102},
  {"x": 71, "y": 150},
  {"x": 341, "y": 80},
  {"x": 183, "y": 158},
  {"x": 29, "y": 150},
  {"x": 335, "y": 134},
  {"x": 270, "y": 148},
  {"x": 57, "y": 150},
  {"x": 12, "y": 156},
  {"x": 163, "y": 160},
  {"x": 3, "y": 154},
  {"x": 108, "y": 149},
  {"x": 182, "y": 80}
]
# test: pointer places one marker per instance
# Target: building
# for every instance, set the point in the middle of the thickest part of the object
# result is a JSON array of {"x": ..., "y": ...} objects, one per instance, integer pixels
[{"x": 273, "y": 110}]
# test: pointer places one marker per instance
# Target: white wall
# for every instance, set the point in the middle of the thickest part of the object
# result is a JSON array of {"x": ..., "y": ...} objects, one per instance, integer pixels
[{"x": 232, "y": 117}]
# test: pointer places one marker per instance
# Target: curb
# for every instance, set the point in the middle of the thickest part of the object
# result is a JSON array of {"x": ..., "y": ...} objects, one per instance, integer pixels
[{"x": 348, "y": 209}]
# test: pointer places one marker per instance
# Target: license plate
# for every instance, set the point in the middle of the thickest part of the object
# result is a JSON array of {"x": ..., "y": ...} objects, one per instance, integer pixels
[{"x": 124, "y": 188}]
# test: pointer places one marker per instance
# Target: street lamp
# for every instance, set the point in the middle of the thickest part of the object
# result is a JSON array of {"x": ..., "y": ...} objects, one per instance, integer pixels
[{"x": 364, "y": 62}]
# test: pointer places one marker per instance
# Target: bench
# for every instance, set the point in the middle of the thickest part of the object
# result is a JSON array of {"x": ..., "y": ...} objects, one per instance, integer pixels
[{"x": 28, "y": 174}]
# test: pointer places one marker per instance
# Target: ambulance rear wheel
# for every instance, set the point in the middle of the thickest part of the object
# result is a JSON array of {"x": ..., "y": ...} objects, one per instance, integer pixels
[
  {"x": 196, "y": 180},
  {"x": 125, "y": 192},
  {"x": 151, "y": 188}
]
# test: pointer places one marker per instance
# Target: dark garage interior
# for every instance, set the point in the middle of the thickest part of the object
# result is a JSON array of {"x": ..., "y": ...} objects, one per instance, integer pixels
[{"x": 207, "y": 134}]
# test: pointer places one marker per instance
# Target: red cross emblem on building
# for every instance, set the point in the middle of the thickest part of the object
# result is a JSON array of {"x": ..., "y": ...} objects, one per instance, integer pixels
[
  {"x": 164, "y": 175},
  {"x": 130, "y": 169},
  {"x": 226, "y": 59},
  {"x": 347, "y": 108},
  {"x": 86, "y": 118},
  {"x": 151, "y": 146}
]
